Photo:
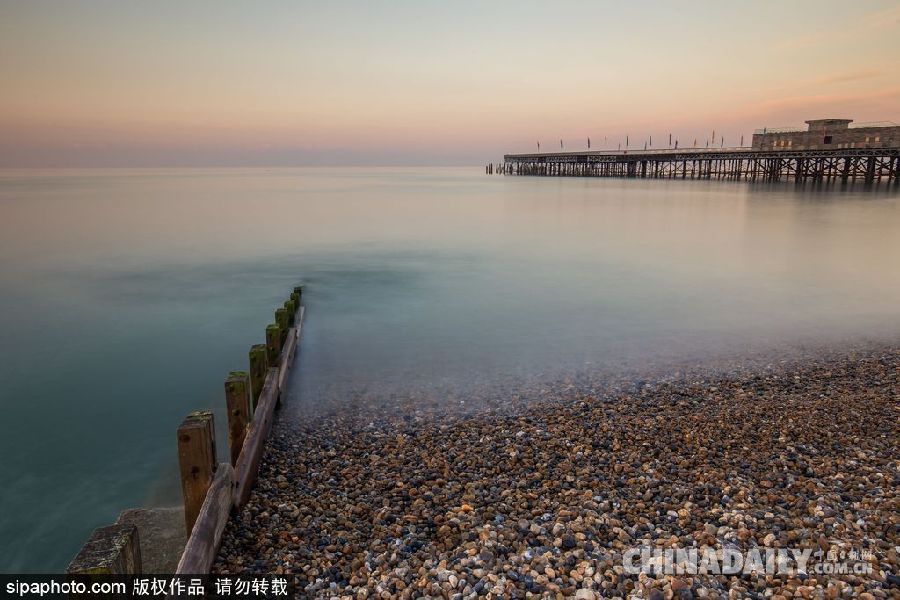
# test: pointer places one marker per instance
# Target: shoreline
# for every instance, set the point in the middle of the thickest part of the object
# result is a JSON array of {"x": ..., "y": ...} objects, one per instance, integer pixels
[{"x": 530, "y": 499}]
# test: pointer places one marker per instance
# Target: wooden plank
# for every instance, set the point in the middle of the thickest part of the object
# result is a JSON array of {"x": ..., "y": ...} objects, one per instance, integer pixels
[
  {"x": 202, "y": 546},
  {"x": 247, "y": 466},
  {"x": 111, "y": 550},
  {"x": 237, "y": 403},
  {"x": 287, "y": 353},
  {"x": 197, "y": 460},
  {"x": 286, "y": 360}
]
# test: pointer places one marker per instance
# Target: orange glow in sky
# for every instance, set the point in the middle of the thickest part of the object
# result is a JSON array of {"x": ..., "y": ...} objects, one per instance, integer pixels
[{"x": 288, "y": 83}]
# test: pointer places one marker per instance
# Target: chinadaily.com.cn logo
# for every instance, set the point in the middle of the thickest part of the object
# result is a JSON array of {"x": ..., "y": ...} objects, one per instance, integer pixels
[{"x": 731, "y": 561}]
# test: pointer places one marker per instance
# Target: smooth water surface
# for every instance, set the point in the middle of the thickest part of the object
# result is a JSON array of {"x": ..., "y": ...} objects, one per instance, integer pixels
[{"x": 127, "y": 296}]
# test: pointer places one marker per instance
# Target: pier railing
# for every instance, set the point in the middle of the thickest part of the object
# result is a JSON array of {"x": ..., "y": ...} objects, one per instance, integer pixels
[
  {"x": 211, "y": 489},
  {"x": 844, "y": 164}
]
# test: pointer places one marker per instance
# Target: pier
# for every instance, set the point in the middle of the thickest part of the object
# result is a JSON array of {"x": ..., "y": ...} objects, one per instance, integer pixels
[{"x": 840, "y": 164}]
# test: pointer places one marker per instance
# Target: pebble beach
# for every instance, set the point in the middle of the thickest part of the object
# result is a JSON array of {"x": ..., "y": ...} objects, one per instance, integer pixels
[{"x": 508, "y": 498}]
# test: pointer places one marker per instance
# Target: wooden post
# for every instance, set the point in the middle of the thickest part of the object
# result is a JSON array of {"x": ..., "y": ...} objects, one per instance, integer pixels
[
  {"x": 258, "y": 366},
  {"x": 291, "y": 311},
  {"x": 281, "y": 318},
  {"x": 237, "y": 402},
  {"x": 197, "y": 459},
  {"x": 295, "y": 298},
  {"x": 273, "y": 343},
  {"x": 111, "y": 550}
]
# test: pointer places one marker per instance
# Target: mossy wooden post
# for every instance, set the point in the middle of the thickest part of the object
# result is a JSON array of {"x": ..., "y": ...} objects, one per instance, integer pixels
[
  {"x": 237, "y": 402},
  {"x": 197, "y": 459},
  {"x": 258, "y": 366},
  {"x": 273, "y": 343},
  {"x": 111, "y": 550},
  {"x": 291, "y": 309},
  {"x": 281, "y": 318}
]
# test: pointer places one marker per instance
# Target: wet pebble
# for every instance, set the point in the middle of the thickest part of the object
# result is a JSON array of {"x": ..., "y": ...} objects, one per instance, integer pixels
[{"x": 406, "y": 498}]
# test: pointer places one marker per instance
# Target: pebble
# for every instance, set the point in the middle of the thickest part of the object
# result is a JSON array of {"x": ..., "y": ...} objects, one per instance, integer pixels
[{"x": 537, "y": 492}]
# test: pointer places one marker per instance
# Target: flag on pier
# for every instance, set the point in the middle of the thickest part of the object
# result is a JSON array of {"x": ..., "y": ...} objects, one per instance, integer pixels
[
  {"x": 589, "y": 143},
  {"x": 560, "y": 143}
]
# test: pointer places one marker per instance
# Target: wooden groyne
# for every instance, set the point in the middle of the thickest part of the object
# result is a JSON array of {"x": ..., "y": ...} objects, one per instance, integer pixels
[
  {"x": 846, "y": 164},
  {"x": 211, "y": 489}
]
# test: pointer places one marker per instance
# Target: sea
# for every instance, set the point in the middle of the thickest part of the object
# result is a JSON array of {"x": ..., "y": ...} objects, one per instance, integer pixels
[{"x": 127, "y": 295}]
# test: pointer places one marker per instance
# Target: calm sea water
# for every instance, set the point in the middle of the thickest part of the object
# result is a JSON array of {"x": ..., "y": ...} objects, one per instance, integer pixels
[{"x": 128, "y": 295}]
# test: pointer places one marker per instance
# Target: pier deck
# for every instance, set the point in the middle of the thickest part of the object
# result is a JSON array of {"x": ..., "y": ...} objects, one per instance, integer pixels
[{"x": 846, "y": 164}]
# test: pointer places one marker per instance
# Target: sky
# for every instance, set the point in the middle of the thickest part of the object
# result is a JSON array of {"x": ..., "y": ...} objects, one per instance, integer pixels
[{"x": 421, "y": 82}]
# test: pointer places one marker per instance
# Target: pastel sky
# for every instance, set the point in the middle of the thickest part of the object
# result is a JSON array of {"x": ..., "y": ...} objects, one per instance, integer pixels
[{"x": 407, "y": 82}]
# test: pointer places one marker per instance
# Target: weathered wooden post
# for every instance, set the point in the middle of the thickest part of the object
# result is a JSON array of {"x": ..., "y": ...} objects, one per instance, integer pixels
[
  {"x": 295, "y": 298},
  {"x": 111, "y": 550},
  {"x": 273, "y": 343},
  {"x": 197, "y": 460},
  {"x": 291, "y": 309},
  {"x": 237, "y": 403},
  {"x": 258, "y": 366},
  {"x": 281, "y": 318}
]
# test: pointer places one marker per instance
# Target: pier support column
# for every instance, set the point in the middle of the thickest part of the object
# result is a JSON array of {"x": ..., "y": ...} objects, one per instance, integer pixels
[{"x": 845, "y": 172}]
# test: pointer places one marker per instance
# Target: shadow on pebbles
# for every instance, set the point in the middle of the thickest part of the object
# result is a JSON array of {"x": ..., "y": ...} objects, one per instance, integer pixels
[{"x": 404, "y": 498}]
